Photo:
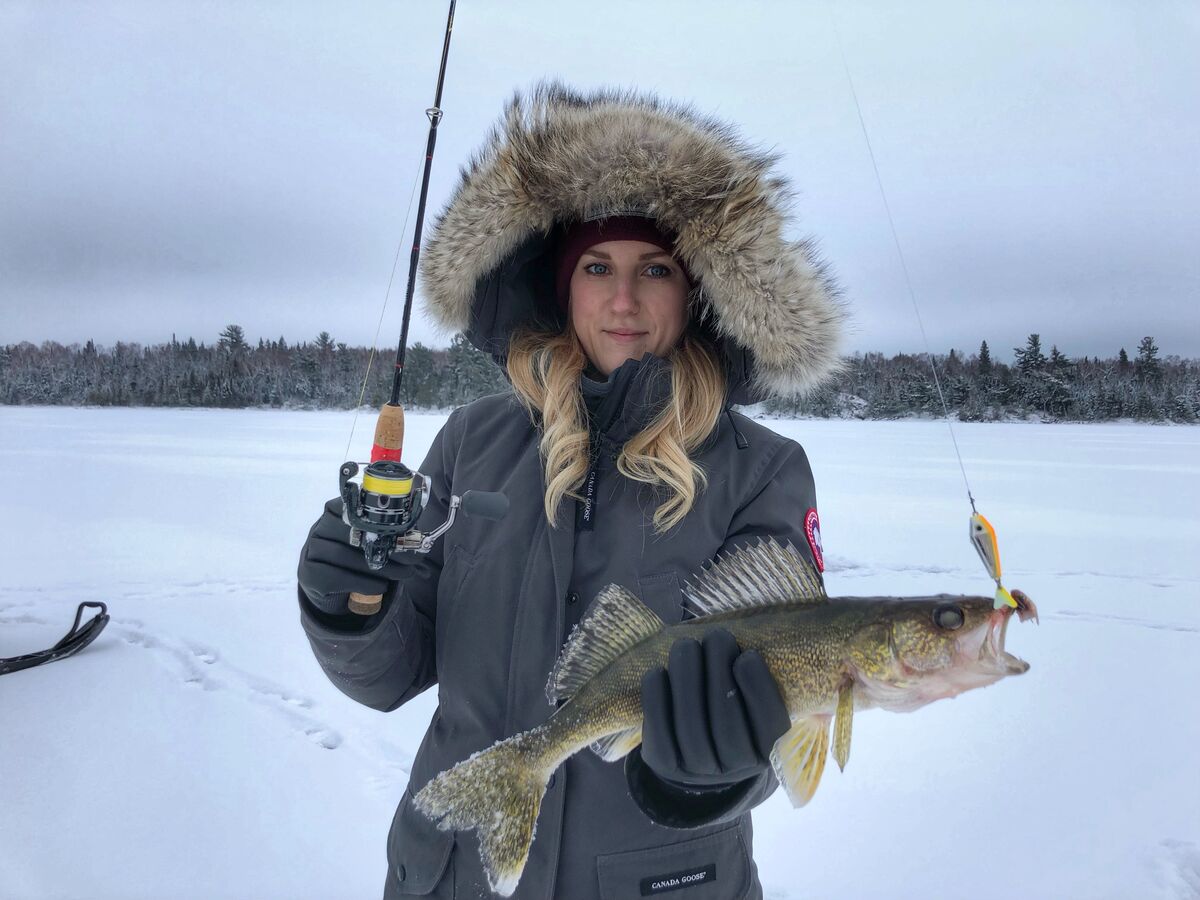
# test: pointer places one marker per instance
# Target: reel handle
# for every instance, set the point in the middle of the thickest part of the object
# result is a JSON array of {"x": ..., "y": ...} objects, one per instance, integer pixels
[{"x": 485, "y": 504}]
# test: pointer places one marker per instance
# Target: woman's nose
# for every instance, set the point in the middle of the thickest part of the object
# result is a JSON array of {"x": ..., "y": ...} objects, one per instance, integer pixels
[{"x": 625, "y": 296}]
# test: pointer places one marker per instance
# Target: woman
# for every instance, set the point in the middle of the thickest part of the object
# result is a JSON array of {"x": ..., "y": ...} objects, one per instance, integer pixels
[{"x": 623, "y": 260}]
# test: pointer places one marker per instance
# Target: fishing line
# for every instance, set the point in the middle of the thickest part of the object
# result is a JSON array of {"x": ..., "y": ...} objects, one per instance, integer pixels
[
  {"x": 937, "y": 382},
  {"x": 387, "y": 295},
  {"x": 980, "y": 530}
]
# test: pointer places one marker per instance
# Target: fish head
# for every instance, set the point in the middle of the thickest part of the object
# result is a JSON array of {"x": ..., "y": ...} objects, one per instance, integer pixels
[{"x": 913, "y": 652}]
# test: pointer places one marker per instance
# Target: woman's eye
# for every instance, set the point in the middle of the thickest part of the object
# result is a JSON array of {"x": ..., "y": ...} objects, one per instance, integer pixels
[
  {"x": 590, "y": 266},
  {"x": 665, "y": 271}
]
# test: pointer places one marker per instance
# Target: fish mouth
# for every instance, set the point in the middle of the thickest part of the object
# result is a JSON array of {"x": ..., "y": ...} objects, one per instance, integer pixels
[{"x": 991, "y": 649}]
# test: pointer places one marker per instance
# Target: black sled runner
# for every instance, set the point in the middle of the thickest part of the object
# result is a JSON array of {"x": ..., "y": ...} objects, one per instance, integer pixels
[{"x": 72, "y": 642}]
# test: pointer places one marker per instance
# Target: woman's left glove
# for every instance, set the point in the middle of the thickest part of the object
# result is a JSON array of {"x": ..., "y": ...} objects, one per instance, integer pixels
[{"x": 712, "y": 715}]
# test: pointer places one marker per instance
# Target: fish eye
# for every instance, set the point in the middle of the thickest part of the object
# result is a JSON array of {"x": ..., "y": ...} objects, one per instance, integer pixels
[{"x": 948, "y": 616}]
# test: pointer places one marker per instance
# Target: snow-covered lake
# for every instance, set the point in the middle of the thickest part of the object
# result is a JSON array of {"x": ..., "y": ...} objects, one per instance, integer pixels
[{"x": 196, "y": 750}]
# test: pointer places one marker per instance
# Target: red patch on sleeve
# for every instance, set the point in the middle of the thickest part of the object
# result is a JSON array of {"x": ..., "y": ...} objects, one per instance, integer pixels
[{"x": 812, "y": 531}]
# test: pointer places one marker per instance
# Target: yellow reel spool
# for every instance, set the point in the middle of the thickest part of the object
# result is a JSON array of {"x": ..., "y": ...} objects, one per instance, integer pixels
[{"x": 391, "y": 487}]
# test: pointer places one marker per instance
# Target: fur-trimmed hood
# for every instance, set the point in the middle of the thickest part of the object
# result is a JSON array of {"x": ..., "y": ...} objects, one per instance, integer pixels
[{"x": 558, "y": 156}]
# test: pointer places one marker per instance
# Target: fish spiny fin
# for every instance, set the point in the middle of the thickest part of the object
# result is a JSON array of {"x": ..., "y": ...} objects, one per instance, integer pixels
[
  {"x": 764, "y": 574},
  {"x": 841, "y": 725},
  {"x": 616, "y": 621},
  {"x": 618, "y": 744},
  {"x": 799, "y": 758}
]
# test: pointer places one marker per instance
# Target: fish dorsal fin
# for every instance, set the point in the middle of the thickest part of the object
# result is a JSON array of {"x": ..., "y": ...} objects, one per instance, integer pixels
[
  {"x": 764, "y": 574},
  {"x": 616, "y": 621},
  {"x": 799, "y": 758}
]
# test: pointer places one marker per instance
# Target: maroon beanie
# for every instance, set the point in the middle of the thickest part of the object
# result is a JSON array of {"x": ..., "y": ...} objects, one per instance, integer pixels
[{"x": 580, "y": 236}]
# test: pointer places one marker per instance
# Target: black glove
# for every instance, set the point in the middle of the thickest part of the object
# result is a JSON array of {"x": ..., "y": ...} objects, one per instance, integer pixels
[
  {"x": 330, "y": 568},
  {"x": 712, "y": 716}
]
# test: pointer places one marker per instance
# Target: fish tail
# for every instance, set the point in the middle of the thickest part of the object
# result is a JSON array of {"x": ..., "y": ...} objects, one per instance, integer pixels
[{"x": 497, "y": 792}]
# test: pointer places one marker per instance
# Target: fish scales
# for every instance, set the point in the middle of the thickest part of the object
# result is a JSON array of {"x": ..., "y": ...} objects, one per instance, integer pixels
[
  {"x": 830, "y": 658},
  {"x": 801, "y": 647}
]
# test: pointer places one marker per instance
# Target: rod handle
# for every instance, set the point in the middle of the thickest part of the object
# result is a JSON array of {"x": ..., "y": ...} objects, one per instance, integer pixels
[
  {"x": 389, "y": 433},
  {"x": 365, "y": 604}
]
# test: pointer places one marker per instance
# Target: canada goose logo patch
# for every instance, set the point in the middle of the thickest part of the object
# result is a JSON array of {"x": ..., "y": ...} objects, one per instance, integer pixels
[{"x": 677, "y": 880}]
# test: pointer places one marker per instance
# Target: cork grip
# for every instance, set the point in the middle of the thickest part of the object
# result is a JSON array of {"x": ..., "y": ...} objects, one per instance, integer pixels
[
  {"x": 389, "y": 433},
  {"x": 365, "y": 604}
]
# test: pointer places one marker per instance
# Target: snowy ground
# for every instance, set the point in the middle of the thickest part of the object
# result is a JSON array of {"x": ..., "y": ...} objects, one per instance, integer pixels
[{"x": 195, "y": 750}]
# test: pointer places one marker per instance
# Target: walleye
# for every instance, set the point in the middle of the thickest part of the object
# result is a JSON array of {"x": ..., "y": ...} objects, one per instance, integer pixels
[{"x": 830, "y": 656}]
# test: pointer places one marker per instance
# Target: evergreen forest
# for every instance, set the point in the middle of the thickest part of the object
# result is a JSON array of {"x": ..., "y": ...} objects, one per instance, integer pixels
[{"x": 327, "y": 374}]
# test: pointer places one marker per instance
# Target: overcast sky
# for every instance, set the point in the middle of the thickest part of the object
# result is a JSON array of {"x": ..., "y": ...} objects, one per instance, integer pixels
[{"x": 172, "y": 167}]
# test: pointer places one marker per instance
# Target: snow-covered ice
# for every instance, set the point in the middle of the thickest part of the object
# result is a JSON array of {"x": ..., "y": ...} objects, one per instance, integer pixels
[{"x": 196, "y": 750}]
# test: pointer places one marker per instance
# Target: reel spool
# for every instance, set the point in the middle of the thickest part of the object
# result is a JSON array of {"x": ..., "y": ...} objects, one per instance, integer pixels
[{"x": 385, "y": 507}]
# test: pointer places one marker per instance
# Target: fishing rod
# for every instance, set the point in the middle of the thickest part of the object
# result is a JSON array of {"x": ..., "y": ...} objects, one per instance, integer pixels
[
  {"x": 382, "y": 509},
  {"x": 982, "y": 534}
]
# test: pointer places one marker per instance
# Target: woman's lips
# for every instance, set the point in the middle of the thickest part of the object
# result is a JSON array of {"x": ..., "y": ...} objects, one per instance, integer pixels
[{"x": 625, "y": 337}]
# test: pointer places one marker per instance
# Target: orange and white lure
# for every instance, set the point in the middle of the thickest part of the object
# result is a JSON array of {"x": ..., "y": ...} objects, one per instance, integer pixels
[{"x": 983, "y": 537}]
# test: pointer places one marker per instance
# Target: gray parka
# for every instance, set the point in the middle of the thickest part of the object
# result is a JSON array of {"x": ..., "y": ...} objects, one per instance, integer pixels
[{"x": 485, "y": 614}]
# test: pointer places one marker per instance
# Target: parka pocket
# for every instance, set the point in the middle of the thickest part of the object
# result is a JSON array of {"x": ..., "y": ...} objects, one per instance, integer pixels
[
  {"x": 714, "y": 867},
  {"x": 662, "y": 593},
  {"x": 418, "y": 852}
]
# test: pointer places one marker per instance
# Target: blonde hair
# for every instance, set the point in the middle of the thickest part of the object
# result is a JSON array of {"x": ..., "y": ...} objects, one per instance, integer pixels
[{"x": 545, "y": 369}]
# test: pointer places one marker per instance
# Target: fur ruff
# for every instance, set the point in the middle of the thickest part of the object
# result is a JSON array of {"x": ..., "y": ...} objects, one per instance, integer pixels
[{"x": 560, "y": 156}]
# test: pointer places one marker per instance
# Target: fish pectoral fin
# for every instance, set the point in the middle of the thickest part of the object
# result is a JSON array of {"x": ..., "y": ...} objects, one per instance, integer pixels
[
  {"x": 799, "y": 758},
  {"x": 842, "y": 724},
  {"x": 614, "y": 746}
]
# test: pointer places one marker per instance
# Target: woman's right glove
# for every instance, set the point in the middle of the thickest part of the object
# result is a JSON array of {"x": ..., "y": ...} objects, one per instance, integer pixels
[
  {"x": 330, "y": 568},
  {"x": 711, "y": 717}
]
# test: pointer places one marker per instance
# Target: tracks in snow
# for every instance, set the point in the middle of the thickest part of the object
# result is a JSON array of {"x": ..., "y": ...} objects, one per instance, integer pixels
[{"x": 199, "y": 666}]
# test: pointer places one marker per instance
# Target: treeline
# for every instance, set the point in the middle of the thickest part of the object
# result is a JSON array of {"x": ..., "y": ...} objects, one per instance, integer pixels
[
  {"x": 979, "y": 389},
  {"x": 234, "y": 373},
  {"x": 324, "y": 373}
]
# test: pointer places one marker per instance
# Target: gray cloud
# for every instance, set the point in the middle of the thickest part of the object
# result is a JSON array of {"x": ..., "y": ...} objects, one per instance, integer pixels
[{"x": 172, "y": 167}]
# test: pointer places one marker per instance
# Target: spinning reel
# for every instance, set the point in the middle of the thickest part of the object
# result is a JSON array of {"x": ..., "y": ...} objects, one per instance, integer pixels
[
  {"x": 384, "y": 509},
  {"x": 383, "y": 512}
]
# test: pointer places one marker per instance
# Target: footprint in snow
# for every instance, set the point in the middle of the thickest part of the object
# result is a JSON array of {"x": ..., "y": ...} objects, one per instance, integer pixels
[
  {"x": 201, "y": 665},
  {"x": 393, "y": 765},
  {"x": 271, "y": 690},
  {"x": 7, "y": 618},
  {"x": 189, "y": 665}
]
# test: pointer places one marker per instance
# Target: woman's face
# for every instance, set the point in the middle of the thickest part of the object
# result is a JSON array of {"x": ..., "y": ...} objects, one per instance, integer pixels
[{"x": 627, "y": 298}]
